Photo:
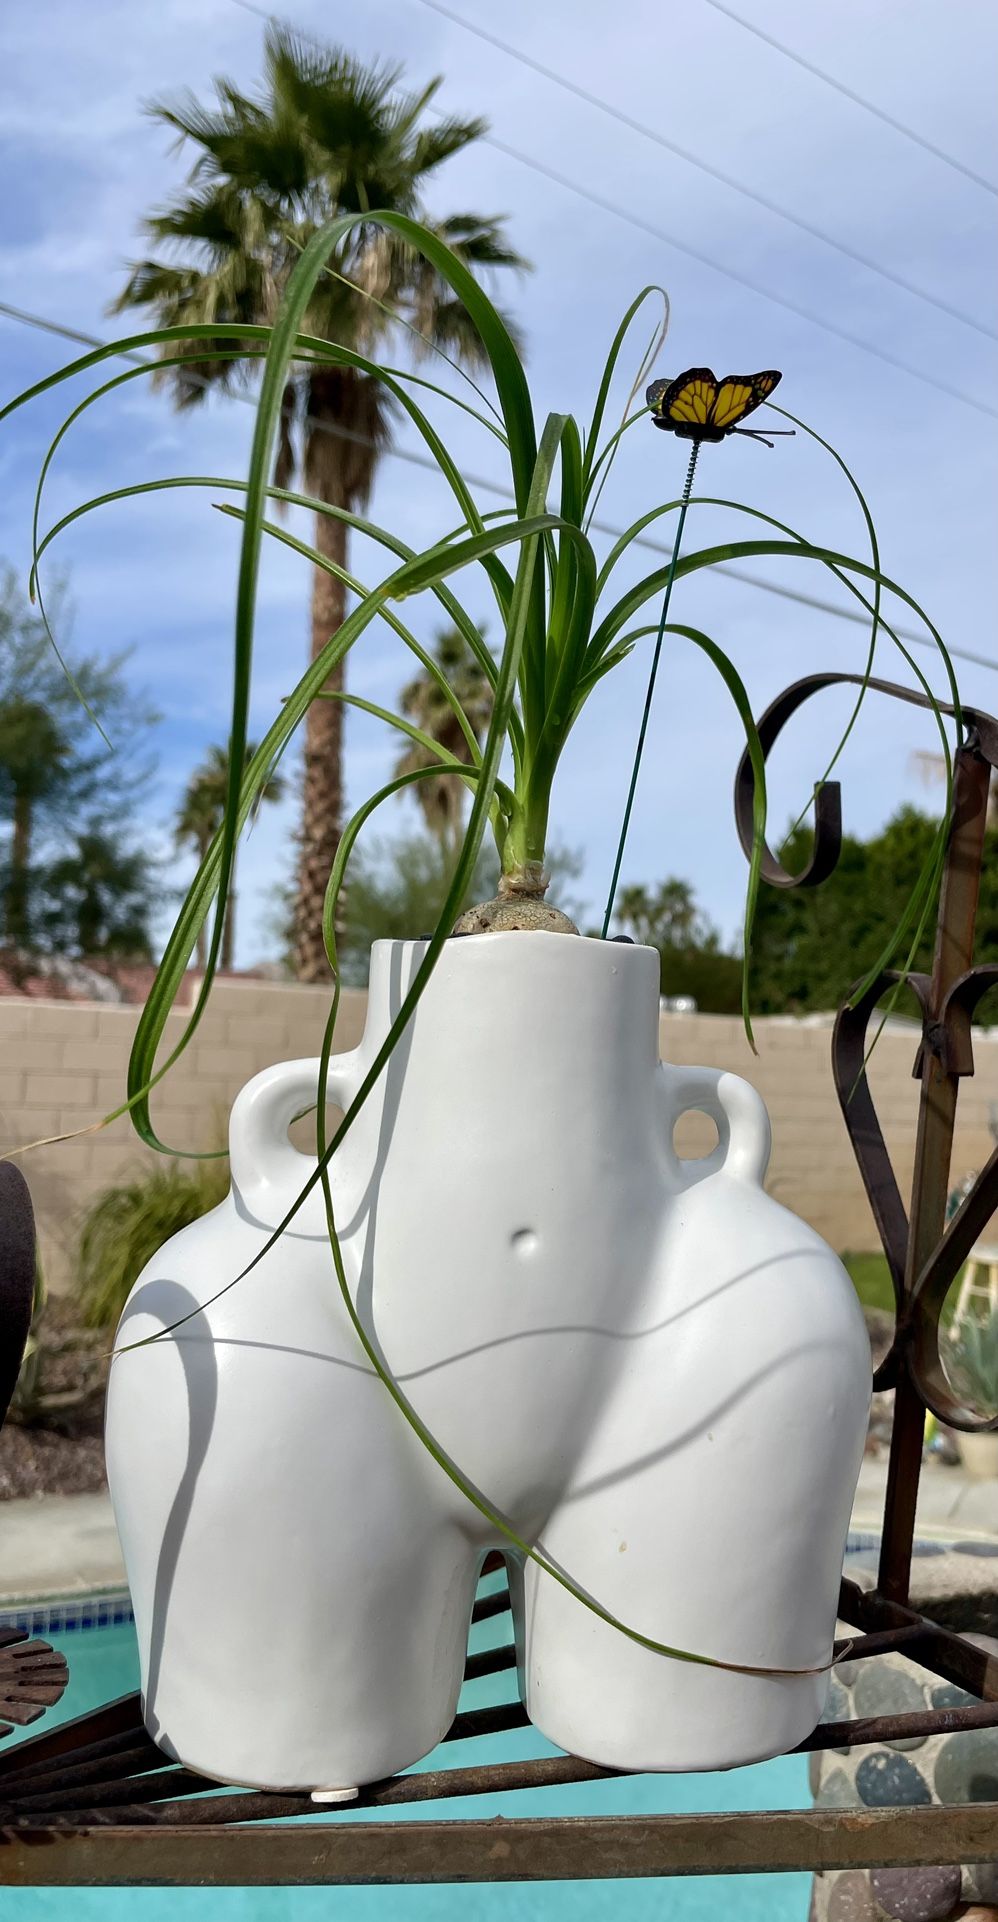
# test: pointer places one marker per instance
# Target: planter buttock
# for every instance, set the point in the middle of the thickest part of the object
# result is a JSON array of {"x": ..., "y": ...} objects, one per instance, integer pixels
[{"x": 657, "y": 1374}]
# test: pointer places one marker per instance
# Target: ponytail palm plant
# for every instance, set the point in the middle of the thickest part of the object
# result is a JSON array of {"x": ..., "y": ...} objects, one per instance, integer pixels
[{"x": 565, "y": 625}]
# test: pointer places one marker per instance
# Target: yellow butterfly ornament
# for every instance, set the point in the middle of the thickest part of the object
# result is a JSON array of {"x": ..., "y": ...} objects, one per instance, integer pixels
[{"x": 697, "y": 406}]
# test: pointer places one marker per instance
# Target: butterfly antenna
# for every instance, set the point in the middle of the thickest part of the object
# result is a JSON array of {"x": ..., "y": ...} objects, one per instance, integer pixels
[
  {"x": 650, "y": 691},
  {"x": 752, "y": 433}
]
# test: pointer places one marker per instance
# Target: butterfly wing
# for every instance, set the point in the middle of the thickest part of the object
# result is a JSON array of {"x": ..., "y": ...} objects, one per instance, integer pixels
[
  {"x": 690, "y": 400},
  {"x": 654, "y": 393},
  {"x": 740, "y": 394}
]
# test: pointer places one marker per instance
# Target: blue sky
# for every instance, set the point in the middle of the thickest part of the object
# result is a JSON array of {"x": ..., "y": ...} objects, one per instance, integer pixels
[{"x": 86, "y": 164}]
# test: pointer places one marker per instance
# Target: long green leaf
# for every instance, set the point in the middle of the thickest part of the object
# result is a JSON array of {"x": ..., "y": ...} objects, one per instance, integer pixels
[
  {"x": 142, "y": 1073},
  {"x": 428, "y": 742},
  {"x": 610, "y": 368},
  {"x": 312, "y": 347},
  {"x": 452, "y": 606},
  {"x": 736, "y": 688},
  {"x": 487, "y": 775},
  {"x": 388, "y": 615},
  {"x": 631, "y": 602}
]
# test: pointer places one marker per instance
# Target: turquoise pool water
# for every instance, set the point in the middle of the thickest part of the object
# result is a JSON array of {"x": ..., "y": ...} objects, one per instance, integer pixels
[{"x": 103, "y": 1664}]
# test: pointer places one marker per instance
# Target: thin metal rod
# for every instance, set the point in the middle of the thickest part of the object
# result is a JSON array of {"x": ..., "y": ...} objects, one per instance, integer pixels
[
  {"x": 947, "y": 1654},
  {"x": 121, "y": 1718},
  {"x": 650, "y": 691},
  {"x": 179, "y": 1796}
]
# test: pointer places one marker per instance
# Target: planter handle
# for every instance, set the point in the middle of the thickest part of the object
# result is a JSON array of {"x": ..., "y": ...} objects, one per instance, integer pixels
[
  {"x": 738, "y": 1112},
  {"x": 261, "y": 1157}
]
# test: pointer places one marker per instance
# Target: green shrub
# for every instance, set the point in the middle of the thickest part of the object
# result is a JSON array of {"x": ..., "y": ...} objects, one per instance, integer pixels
[{"x": 128, "y": 1223}]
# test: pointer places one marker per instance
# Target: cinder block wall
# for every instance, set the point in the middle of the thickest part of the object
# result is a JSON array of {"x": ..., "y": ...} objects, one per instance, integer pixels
[{"x": 62, "y": 1066}]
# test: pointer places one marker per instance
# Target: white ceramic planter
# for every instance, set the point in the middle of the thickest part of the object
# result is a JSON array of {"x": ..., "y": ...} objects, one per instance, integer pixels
[{"x": 648, "y": 1365}]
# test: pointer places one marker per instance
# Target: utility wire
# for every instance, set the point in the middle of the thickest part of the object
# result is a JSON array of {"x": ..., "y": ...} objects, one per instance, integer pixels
[
  {"x": 743, "y": 280},
  {"x": 857, "y": 99},
  {"x": 704, "y": 166},
  {"x": 934, "y": 381},
  {"x": 740, "y": 574}
]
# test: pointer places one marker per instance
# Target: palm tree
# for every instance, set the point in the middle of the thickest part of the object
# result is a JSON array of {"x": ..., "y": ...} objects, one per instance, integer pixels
[
  {"x": 34, "y": 758},
  {"x": 199, "y": 817},
  {"x": 325, "y": 135},
  {"x": 101, "y": 895},
  {"x": 442, "y": 799}
]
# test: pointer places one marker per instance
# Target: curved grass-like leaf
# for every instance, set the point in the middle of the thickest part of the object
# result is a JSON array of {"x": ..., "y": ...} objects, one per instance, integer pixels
[
  {"x": 591, "y": 461},
  {"x": 388, "y": 615},
  {"x": 644, "y": 590},
  {"x": 312, "y": 347},
  {"x": 422, "y": 571},
  {"x": 736, "y": 688},
  {"x": 428, "y": 345},
  {"x": 291, "y": 497},
  {"x": 444, "y": 758}
]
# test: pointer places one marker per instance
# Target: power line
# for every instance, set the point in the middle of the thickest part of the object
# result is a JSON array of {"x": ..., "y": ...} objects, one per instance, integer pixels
[
  {"x": 44, "y": 325},
  {"x": 66, "y": 333},
  {"x": 856, "y": 98},
  {"x": 743, "y": 280},
  {"x": 938, "y": 385},
  {"x": 704, "y": 166}
]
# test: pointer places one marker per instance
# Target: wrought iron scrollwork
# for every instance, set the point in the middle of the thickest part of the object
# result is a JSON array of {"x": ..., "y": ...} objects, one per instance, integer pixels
[
  {"x": 982, "y": 732},
  {"x": 948, "y": 999}
]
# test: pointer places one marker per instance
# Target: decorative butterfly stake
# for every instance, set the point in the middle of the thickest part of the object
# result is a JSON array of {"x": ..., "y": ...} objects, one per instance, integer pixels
[
  {"x": 698, "y": 407},
  {"x": 695, "y": 406}
]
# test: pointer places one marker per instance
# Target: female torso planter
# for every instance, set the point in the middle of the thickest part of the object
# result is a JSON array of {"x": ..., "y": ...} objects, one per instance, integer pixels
[{"x": 647, "y": 1365}]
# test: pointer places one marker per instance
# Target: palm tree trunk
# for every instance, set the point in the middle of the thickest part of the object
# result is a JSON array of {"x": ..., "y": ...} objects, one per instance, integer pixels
[
  {"x": 323, "y": 792},
  {"x": 17, "y": 917}
]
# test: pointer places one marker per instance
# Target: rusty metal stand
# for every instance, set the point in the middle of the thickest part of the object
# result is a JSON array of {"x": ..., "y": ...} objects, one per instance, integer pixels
[{"x": 95, "y": 1802}]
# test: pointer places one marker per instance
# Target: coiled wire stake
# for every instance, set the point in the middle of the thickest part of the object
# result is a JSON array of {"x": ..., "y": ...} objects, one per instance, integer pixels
[{"x": 650, "y": 693}]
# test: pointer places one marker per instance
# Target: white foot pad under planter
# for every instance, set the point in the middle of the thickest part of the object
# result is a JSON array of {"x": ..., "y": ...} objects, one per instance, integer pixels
[{"x": 650, "y": 1367}]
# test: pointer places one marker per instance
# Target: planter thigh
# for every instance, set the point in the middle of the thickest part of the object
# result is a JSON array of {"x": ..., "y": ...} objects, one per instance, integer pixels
[
  {"x": 710, "y": 1506},
  {"x": 302, "y": 1597}
]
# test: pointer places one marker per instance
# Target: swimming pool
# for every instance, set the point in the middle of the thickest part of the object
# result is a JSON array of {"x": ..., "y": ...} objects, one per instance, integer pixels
[{"x": 104, "y": 1664}]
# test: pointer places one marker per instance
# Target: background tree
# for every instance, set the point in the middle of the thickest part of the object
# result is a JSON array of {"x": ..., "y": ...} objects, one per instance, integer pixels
[
  {"x": 34, "y": 770},
  {"x": 442, "y": 800},
  {"x": 324, "y": 135},
  {"x": 198, "y": 819},
  {"x": 812, "y": 945},
  {"x": 58, "y": 778},
  {"x": 98, "y": 898}
]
